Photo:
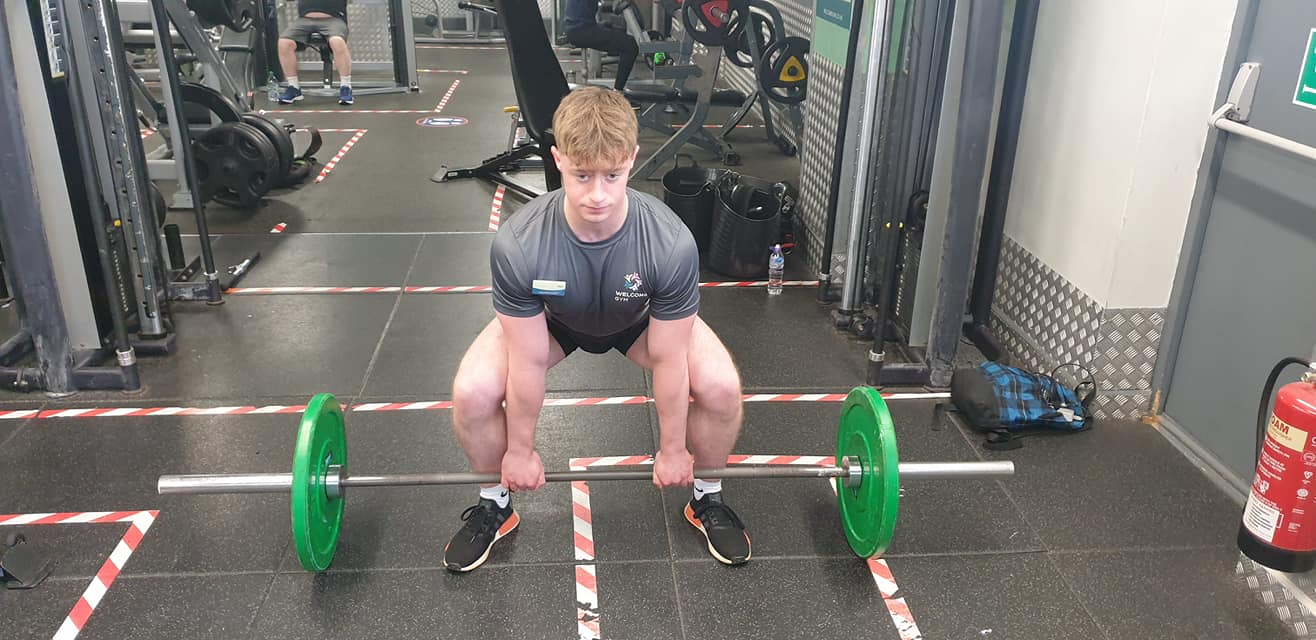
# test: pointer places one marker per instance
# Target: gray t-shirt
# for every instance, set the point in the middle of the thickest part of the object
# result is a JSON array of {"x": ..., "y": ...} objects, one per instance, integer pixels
[{"x": 650, "y": 267}]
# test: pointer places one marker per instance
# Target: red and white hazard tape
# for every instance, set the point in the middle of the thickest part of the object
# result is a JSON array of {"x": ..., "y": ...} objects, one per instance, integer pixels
[
  {"x": 587, "y": 588},
  {"x": 91, "y": 597},
  {"x": 447, "y": 96},
  {"x": 347, "y": 111},
  {"x": 329, "y": 166},
  {"x": 496, "y": 210},
  {"x": 587, "y": 596},
  {"x": 266, "y": 291},
  {"x": 458, "y": 47},
  {"x": 457, "y": 71},
  {"x": 895, "y": 603},
  {"x": 429, "y": 405},
  {"x": 278, "y": 228}
]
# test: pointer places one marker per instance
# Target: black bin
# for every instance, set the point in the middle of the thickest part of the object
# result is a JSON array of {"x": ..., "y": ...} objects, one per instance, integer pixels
[
  {"x": 690, "y": 192},
  {"x": 746, "y": 223}
]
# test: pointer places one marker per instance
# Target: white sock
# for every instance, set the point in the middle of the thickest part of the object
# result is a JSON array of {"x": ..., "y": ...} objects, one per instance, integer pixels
[
  {"x": 704, "y": 487},
  {"x": 498, "y": 493},
  {"x": 346, "y": 81},
  {"x": 293, "y": 82}
]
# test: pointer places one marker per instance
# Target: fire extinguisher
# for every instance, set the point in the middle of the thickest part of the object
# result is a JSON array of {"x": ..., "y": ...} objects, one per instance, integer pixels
[{"x": 1278, "y": 528}]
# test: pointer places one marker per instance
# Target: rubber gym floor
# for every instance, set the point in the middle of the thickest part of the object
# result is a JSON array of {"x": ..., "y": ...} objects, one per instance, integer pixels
[{"x": 1106, "y": 534}]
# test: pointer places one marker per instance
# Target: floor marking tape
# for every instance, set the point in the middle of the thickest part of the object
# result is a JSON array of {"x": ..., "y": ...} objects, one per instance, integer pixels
[
  {"x": 329, "y": 166},
  {"x": 496, "y": 210},
  {"x": 447, "y": 96},
  {"x": 278, "y": 228},
  {"x": 344, "y": 111},
  {"x": 457, "y": 71},
  {"x": 431, "y": 405},
  {"x": 140, "y": 522},
  {"x": 587, "y": 591}
]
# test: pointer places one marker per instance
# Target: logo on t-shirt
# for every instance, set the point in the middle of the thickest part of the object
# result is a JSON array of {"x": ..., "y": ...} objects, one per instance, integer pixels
[{"x": 632, "y": 289}]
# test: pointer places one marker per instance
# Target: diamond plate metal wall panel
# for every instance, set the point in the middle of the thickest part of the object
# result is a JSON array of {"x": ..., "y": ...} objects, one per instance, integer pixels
[
  {"x": 369, "y": 36},
  {"x": 1270, "y": 588},
  {"x": 1044, "y": 321},
  {"x": 1126, "y": 354},
  {"x": 821, "y": 123}
]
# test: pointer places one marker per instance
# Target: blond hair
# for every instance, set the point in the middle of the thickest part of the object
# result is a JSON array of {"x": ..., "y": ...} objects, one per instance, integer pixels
[{"x": 596, "y": 128}]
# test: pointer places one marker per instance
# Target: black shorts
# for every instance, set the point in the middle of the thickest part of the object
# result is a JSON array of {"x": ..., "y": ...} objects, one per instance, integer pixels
[{"x": 570, "y": 340}]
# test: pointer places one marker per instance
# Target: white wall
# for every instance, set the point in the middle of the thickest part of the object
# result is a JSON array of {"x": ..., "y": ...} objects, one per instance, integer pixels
[{"x": 1113, "y": 133}]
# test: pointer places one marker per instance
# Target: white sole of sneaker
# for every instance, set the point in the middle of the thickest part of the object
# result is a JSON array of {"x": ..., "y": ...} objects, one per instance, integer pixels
[
  {"x": 694, "y": 522},
  {"x": 507, "y": 528}
]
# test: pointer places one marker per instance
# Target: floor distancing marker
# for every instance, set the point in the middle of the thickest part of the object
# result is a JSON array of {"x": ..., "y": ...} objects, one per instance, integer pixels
[
  {"x": 457, "y": 71},
  {"x": 278, "y": 228},
  {"x": 496, "y": 210},
  {"x": 896, "y": 607},
  {"x": 268, "y": 291},
  {"x": 447, "y": 96},
  {"x": 426, "y": 405},
  {"x": 140, "y": 522},
  {"x": 587, "y": 596},
  {"x": 329, "y": 166}
]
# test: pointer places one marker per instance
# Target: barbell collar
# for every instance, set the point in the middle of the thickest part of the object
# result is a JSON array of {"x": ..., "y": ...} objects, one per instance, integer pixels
[{"x": 336, "y": 482}]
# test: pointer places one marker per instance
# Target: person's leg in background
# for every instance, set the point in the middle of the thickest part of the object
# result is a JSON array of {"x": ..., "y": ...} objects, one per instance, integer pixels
[
  {"x": 615, "y": 42},
  {"x": 336, "y": 34},
  {"x": 297, "y": 31}
]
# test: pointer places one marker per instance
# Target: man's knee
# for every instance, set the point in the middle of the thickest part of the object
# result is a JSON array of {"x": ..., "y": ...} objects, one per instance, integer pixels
[
  {"x": 721, "y": 396},
  {"x": 475, "y": 397},
  {"x": 338, "y": 44},
  {"x": 287, "y": 45}
]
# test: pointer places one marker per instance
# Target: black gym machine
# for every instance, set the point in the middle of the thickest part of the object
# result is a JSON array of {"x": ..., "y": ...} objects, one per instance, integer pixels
[{"x": 889, "y": 218}]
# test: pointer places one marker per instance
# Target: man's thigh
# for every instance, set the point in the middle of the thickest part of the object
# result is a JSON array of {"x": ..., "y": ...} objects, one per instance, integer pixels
[
  {"x": 487, "y": 354},
  {"x": 708, "y": 359},
  {"x": 301, "y": 29},
  {"x": 601, "y": 38}
]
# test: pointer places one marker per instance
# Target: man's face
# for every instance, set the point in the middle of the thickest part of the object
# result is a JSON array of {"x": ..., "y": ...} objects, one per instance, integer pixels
[{"x": 594, "y": 194}]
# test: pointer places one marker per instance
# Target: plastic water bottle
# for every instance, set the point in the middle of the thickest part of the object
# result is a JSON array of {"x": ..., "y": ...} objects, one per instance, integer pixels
[{"x": 776, "y": 265}]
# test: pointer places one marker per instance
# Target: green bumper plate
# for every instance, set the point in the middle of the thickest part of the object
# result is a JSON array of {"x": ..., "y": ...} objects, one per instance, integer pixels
[
  {"x": 316, "y": 518},
  {"x": 866, "y": 434}
]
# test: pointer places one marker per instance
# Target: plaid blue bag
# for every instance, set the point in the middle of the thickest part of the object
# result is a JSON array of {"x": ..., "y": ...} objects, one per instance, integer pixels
[{"x": 1003, "y": 401}]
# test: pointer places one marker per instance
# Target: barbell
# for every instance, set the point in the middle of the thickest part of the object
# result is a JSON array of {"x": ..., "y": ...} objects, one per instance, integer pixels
[{"x": 867, "y": 473}]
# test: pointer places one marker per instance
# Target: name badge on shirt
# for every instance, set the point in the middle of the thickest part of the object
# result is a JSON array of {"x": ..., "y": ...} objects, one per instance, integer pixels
[{"x": 548, "y": 287}]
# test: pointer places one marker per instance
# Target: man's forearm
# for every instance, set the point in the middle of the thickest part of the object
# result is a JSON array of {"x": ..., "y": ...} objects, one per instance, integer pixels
[
  {"x": 525, "y": 398},
  {"x": 671, "y": 395}
]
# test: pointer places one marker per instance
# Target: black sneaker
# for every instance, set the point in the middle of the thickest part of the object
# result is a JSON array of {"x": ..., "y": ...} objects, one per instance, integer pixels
[
  {"x": 726, "y": 536},
  {"x": 485, "y": 525}
]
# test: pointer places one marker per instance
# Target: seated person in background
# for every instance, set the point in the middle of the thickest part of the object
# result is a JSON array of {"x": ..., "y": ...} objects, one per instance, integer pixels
[
  {"x": 584, "y": 31},
  {"x": 329, "y": 18}
]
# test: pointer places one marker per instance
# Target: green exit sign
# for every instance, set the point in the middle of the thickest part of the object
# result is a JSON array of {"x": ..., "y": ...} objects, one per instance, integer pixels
[{"x": 1306, "y": 93}]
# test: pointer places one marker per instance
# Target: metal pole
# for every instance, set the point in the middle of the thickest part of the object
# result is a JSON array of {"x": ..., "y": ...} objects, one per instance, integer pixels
[
  {"x": 32, "y": 270},
  {"x": 874, "y": 89},
  {"x": 838, "y": 155},
  {"x": 182, "y": 139},
  {"x": 973, "y": 127},
  {"x": 282, "y": 482}
]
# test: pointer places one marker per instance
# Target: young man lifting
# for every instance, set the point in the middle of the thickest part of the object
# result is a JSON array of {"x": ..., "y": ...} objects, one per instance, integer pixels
[{"x": 595, "y": 266}]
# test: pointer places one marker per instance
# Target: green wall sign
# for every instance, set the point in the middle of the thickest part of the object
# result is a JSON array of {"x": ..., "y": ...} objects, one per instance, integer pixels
[
  {"x": 832, "y": 20},
  {"x": 1305, "y": 95}
]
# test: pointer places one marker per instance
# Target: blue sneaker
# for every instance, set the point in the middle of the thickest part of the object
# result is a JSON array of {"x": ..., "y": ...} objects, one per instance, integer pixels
[
  {"x": 290, "y": 95},
  {"x": 345, "y": 95}
]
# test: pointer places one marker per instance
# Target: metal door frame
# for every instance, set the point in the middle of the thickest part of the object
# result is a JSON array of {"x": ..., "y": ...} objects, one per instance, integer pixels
[{"x": 1199, "y": 216}]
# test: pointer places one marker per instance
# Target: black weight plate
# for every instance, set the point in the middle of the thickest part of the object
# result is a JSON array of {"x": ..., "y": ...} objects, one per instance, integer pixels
[
  {"x": 703, "y": 23},
  {"x": 158, "y": 203},
  {"x": 738, "y": 49},
  {"x": 199, "y": 99},
  {"x": 236, "y": 164},
  {"x": 278, "y": 135},
  {"x": 784, "y": 70}
]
